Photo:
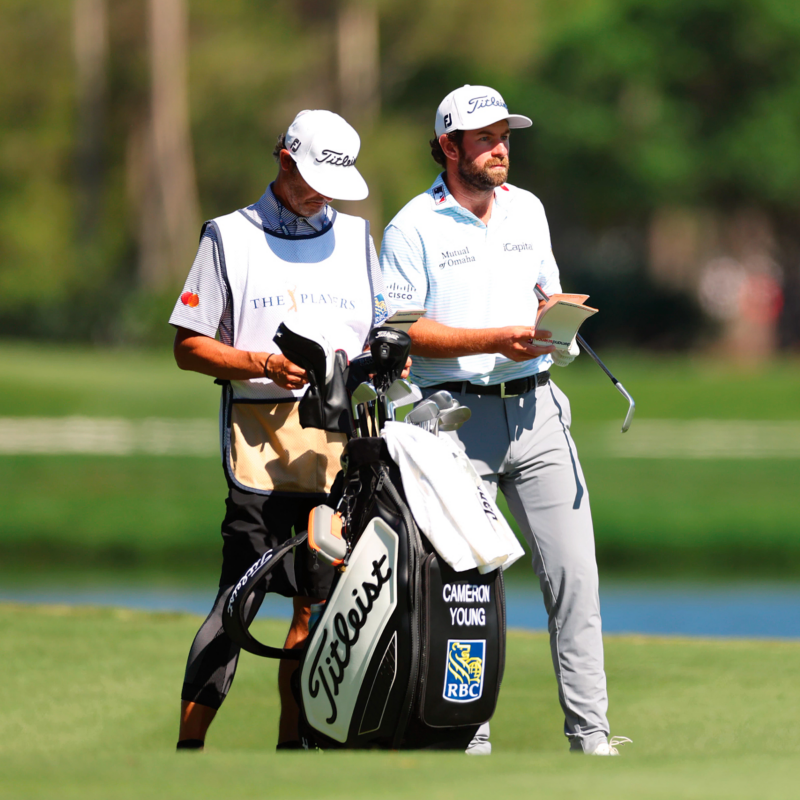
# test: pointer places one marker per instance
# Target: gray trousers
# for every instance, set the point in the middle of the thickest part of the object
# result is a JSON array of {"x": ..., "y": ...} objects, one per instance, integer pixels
[{"x": 523, "y": 446}]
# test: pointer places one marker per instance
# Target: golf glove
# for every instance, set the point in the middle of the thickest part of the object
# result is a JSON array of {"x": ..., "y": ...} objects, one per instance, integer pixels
[{"x": 563, "y": 358}]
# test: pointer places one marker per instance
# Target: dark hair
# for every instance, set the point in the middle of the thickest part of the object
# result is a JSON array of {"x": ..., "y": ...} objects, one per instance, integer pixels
[
  {"x": 436, "y": 149},
  {"x": 279, "y": 145}
]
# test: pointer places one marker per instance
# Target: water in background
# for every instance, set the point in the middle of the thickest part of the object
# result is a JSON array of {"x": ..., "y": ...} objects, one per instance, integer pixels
[{"x": 751, "y": 610}]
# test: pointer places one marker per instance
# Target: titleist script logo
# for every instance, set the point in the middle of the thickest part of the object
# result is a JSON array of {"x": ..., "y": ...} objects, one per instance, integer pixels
[
  {"x": 486, "y": 504},
  {"x": 346, "y": 637},
  {"x": 246, "y": 577},
  {"x": 484, "y": 101},
  {"x": 510, "y": 248},
  {"x": 335, "y": 159}
]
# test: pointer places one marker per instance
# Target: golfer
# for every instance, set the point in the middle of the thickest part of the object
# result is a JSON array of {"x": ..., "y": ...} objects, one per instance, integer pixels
[
  {"x": 470, "y": 250},
  {"x": 289, "y": 255}
]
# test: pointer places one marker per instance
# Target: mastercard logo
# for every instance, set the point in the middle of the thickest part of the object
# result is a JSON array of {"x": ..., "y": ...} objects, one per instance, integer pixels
[{"x": 190, "y": 299}]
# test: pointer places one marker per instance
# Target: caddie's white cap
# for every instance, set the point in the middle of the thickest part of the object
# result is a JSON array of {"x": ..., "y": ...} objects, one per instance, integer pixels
[
  {"x": 325, "y": 149},
  {"x": 472, "y": 107}
]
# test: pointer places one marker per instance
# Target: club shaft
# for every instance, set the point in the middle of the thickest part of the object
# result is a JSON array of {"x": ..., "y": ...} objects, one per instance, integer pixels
[
  {"x": 597, "y": 360},
  {"x": 582, "y": 343}
]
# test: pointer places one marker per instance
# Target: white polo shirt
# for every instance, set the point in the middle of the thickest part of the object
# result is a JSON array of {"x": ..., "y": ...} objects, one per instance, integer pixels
[{"x": 438, "y": 255}]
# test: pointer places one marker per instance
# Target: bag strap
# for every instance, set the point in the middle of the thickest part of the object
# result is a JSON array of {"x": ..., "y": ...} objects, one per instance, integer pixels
[{"x": 234, "y": 620}]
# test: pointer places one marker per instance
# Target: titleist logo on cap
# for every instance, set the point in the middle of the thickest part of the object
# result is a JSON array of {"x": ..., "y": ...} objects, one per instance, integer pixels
[
  {"x": 335, "y": 158},
  {"x": 483, "y": 101}
]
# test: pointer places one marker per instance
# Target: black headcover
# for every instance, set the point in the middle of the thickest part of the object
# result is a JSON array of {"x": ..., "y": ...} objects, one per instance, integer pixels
[
  {"x": 325, "y": 405},
  {"x": 390, "y": 349}
]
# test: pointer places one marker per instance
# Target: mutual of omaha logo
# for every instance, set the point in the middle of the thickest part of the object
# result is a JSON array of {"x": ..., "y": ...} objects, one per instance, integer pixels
[
  {"x": 463, "y": 678},
  {"x": 190, "y": 299}
]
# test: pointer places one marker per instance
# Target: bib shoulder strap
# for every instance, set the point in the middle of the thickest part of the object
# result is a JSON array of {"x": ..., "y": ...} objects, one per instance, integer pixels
[{"x": 234, "y": 620}]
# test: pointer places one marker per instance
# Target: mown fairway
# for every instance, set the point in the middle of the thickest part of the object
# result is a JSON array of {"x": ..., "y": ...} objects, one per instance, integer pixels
[
  {"x": 89, "y": 710},
  {"x": 651, "y": 514}
]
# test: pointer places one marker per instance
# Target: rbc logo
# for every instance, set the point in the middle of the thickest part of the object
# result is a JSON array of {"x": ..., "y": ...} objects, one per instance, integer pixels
[
  {"x": 381, "y": 311},
  {"x": 463, "y": 678}
]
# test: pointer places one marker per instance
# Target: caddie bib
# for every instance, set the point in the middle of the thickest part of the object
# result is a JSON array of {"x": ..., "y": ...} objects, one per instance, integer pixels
[{"x": 324, "y": 278}]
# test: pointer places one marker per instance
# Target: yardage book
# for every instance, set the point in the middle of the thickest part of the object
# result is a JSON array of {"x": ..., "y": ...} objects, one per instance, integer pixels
[
  {"x": 404, "y": 319},
  {"x": 563, "y": 315}
]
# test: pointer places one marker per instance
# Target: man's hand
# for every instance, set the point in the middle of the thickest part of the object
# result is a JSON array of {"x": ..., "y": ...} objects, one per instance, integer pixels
[
  {"x": 203, "y": 354},
  {"x": 434, "y": 340},
  {"x": 563, "y": 358},
  {"x": 407, "y": 369},
  {"x": 285, "y": 373},
  {"x": 516, "y": 342}
]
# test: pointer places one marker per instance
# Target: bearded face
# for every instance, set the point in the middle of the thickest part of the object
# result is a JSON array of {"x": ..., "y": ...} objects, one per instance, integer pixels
[{"x": 486, "y": 174}]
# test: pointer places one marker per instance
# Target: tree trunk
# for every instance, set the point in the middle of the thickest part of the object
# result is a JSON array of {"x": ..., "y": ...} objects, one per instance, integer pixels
[
  {"x": 90, "y": 41},
  {"x": 170, "y": 209},
  {"x": 359, "y": 62},
  {"x": 358, "y": 59}
]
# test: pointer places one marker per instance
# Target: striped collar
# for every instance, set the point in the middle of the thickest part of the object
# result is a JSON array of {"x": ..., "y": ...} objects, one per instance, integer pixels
[
  {"x": 442, "y": 200},
  {"x": 274, "y": 216}
]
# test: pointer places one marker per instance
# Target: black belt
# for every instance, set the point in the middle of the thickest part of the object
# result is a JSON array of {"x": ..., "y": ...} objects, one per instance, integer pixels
[{"x": 507, "y": 389}]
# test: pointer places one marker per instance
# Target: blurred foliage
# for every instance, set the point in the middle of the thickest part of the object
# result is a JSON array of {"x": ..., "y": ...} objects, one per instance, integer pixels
[
  {"x": 637, "y": 105},
  {"x": 141, "y": 512}
]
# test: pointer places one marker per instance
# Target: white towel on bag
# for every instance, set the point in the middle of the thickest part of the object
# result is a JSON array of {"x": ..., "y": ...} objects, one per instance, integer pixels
[{"x": 449, "y": 501}]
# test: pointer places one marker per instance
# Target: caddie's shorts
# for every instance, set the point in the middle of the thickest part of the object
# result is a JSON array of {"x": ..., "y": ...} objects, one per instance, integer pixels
[{"x": 255, "y": 523}]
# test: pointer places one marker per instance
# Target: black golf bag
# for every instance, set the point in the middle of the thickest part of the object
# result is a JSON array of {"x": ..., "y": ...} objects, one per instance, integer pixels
[{"x": 407, "y": 653}]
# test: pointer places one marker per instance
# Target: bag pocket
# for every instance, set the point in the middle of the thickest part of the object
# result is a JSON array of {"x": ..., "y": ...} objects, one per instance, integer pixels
[{"x": 464, "y": 645}]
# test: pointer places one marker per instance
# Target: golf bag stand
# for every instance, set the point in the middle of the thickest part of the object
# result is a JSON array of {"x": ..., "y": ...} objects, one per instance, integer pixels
[{"x": 407, "y": 653}]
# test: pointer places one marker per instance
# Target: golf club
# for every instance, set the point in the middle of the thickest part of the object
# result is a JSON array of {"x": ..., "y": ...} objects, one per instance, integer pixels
[
  {"x": 451, "y": 419},
  {"x": 400, "y": 391},
  {"x": 582, "y": 342},
  {"x": 443, "y": 399},
  {"x": 422, "y": 413},
  {"x": 389, "y": 350},
  {"x": 414, "y": 396},
  {"x": 363, "y": 394}
]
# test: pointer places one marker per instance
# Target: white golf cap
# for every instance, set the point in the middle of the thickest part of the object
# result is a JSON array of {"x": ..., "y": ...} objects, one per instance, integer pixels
[
  {"x": 325, "y": 149},
  {"x": 473, "y": 107}
]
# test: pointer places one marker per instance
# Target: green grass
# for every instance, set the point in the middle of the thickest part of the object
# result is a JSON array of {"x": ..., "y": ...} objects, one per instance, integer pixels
[
  {"x": 163, "y": 512},
  {"x": 137, "y": 511},
  {"x": 682, "y": 387},
  {"x": 90, "y": 699},
  {"x": 46, "y": 380},
  {"x": 49, "y": 381},
  {"x": 653, "y": 515}
]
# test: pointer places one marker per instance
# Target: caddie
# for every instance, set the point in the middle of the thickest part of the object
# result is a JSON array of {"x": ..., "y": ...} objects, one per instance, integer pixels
[
  {"x": 287, "y": 256},
  {"x": 470, "y": 250}
]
